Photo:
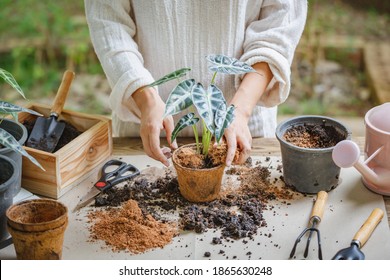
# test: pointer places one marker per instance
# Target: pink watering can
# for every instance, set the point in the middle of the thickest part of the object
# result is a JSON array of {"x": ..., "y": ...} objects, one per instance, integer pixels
[{"x": 376, "y": 167}]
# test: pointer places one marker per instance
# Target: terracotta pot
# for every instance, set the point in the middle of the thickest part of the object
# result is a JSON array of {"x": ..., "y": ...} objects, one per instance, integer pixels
[
  {"x": 198, "y": 185},
  {"x": 37, "y": 228}
]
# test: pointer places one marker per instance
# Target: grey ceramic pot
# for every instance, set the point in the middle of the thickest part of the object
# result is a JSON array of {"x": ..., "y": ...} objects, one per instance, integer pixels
[
  {"x": 309, "y": 170},
  {"x": 19, "y": 132},
  {"x": 8, "y": 179}
]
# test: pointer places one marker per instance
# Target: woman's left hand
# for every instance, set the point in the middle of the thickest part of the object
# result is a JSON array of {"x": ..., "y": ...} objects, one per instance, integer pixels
[{"x": 238, "y": 137}]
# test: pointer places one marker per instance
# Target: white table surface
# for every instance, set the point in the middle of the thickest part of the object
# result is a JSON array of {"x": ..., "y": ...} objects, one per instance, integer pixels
[{"x": 347, "y": 208}]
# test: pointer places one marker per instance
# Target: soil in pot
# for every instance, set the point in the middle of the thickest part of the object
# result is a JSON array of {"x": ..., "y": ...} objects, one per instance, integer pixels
[
  {"x": 190, "y": 158},
  {"x": 306, "y": 144},
  {"x": 70, "y": 133},
  {"x": 313, "y": 136}
]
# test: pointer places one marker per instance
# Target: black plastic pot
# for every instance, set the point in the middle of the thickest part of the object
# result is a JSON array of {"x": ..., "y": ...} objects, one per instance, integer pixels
[
  {"x": 309, "y": 170},
  {"x": 8, "y": 180},
  {"x": 19, "y": 132}
]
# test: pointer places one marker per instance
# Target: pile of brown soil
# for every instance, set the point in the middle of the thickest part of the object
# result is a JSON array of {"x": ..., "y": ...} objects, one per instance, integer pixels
[
  {"x": 313, "y": 136},
  {"x": 127, "y": 228}
]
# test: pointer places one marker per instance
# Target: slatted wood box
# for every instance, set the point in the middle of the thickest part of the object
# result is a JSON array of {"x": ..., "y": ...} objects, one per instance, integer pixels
[{"x": 73, "y": 162}]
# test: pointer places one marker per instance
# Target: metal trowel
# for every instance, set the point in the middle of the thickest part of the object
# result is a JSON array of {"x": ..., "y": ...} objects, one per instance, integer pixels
[{"x": 47, "y": 131}]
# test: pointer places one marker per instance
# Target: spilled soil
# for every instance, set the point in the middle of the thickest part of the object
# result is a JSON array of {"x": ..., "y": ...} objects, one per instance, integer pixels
[{"x": 236, "y": 214}]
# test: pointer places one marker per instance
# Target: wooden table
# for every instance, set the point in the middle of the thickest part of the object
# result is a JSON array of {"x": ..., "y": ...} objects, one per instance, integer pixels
[{"x": 260, "y": 147}]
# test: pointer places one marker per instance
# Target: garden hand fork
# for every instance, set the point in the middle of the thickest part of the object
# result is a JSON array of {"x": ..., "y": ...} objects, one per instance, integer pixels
[{"x": 315, "y": 219}]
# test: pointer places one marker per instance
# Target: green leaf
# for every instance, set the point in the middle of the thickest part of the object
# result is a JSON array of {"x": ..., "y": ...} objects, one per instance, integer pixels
[
  {"x": 7, "y": 140},
  {"x": 180, "y": 98},
  {"x": 207, "y": 103},
  {"x": 185, "y": 121},
  {"x": 7, "y": 76},
  {"x": 223, "y": 118},
  {"x": 174, "y": 75},
  {"x": 228, "y": 65},
  {"x": 8, "y": 108}
]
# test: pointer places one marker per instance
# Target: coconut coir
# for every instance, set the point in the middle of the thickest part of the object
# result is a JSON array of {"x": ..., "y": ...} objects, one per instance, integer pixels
[{"x": 127, "y": 228}]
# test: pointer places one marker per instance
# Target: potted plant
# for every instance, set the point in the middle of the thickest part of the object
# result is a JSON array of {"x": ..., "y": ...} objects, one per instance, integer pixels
[
  {"x": 201, "y": 182},
  {"x": 12, "y": 133}
]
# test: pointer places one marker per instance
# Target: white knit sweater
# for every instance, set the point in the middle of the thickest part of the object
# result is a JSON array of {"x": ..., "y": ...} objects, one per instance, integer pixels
[{"x": 139, "y": 41}]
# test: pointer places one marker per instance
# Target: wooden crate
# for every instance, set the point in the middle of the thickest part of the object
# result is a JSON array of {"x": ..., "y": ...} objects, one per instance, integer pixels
[{"x": 73, "y": 162}]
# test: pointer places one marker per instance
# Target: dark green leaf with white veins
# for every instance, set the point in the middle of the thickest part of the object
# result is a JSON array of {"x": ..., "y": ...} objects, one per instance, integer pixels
[
  {"x": 228, "y": 65},
  {"x": 7, "y": 76},
  {"x": 223, "y": 118},
  {"x": 185, "y": 121},
  {"x": 174, "y": 75},
  {"x": 180, "y": 98},
  {"x": 8, "y": 108},
  {"x": 207, "y": 102},
  {"x": 7, "y": 140}
]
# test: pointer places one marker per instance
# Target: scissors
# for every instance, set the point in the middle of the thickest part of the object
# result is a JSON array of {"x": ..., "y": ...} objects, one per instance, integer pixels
[{"x": 108, "y": 179}]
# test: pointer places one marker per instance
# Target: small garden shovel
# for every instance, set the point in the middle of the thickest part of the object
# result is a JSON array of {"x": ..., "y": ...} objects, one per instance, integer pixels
[
  {"x": 47, "y": 131},
  {"x": 353, "y": 252}
]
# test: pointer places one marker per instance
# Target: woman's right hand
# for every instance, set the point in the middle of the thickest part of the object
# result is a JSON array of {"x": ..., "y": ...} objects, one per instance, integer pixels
[{"x": 152, "y": 110}]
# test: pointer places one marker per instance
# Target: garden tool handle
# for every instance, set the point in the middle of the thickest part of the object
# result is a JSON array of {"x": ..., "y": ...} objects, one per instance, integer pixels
[
  {"x": 319, "y": 205},
  {"x": 368, "y": 227},
  {"x": 62, "y": 93}
]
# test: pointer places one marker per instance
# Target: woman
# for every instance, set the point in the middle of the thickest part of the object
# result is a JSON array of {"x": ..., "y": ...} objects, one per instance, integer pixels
[{"x": 142, "y": 40}]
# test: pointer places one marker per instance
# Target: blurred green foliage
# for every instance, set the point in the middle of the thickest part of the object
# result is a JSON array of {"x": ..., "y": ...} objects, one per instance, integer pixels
[
  {"x": 40, "y": 39},
  {"x": 335, "y": 19}
]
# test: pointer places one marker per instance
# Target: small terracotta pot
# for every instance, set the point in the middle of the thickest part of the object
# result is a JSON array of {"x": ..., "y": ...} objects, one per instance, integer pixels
[
  {"x": 37, "y": 228},
  {"x": 198, "y": 185}
]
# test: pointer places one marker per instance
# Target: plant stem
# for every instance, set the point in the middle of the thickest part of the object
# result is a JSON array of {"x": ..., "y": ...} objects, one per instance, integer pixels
[
  {"x": 196, "y": 138},
  {"x": 206, "y": 138},
  {"x": 213, "y": 79}
]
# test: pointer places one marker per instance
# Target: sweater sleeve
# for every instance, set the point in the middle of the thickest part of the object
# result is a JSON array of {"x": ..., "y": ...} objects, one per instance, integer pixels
[
  {"x": 112, "y": 31},
  {"x": 273, "y": 39}
]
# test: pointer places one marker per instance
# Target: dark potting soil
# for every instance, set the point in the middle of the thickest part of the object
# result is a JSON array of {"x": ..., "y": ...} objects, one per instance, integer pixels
[
  {"x": 70, "y": 133},
  {"x": 162, "y": 197},
  {"x": 5, "y": 174},
  {"x": 313, "y": 136}
]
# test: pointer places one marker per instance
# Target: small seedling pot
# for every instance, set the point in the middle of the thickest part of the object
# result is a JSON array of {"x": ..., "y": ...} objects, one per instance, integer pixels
[
  {"x": 37, "y": 228},
  {"x": 198, "y": 185},
  {"x": 19, "y": 132},
  {"x": 309, "y": 170},
  {"x": 8, "y": 180}
]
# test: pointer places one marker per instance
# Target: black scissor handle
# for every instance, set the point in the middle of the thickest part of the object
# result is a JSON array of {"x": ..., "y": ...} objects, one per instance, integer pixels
[
  {"x": 113, "y": 162},
  {"x": 118, "y": 175}
]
